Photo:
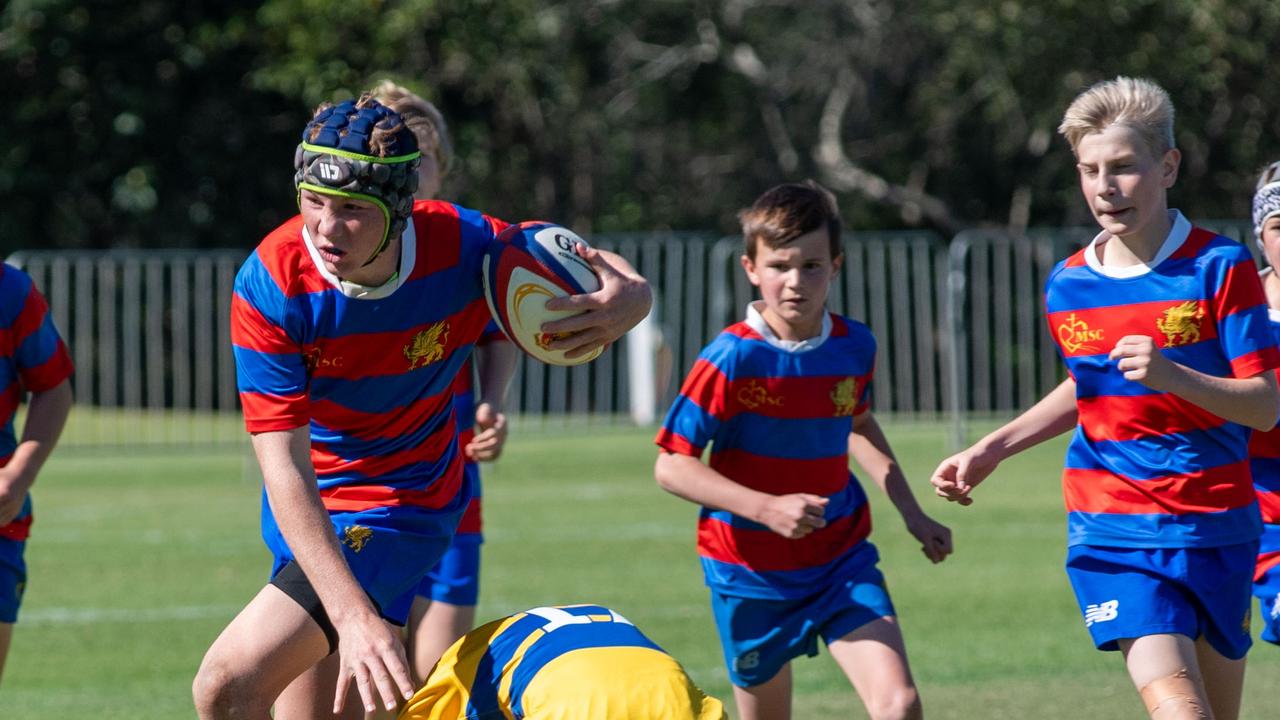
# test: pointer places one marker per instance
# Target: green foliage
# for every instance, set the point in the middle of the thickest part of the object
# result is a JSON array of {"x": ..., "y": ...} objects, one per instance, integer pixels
[{"x": 162, "y": 124}]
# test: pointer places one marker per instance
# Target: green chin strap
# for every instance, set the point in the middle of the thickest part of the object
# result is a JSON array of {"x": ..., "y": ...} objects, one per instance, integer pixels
[{"x": 386, "y": 214}]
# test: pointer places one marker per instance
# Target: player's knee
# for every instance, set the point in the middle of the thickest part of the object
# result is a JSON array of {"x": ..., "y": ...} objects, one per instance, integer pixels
[
  {"x": 220, "y": 692},
  {"x": 895, "y": 704},
  {"x": 1175, "y": 697}
]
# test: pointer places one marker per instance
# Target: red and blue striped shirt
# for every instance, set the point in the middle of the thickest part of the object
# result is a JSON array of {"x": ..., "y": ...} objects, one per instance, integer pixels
[
  {"x": 372, "y": 372},
  {"x": 33, "y": 358},
  {"x": 1148, "y": 468},
  {"x": 778, "y": 421},
  {"x": 1264, "y": 464}
]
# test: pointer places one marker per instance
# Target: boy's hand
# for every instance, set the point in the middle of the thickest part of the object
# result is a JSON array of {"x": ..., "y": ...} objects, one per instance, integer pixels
[
  {"x": 934, "y": 537},
  {"x": 623, "y": 300},
  {"x": 487, "y": 444},
  {"x": 794, "y": 515},
  {"x": 956, "y": 476},
  {"x": 372, "y": 655},
  {"x": 1142, "y": 362},
  {"x": 13, "y": 494}
]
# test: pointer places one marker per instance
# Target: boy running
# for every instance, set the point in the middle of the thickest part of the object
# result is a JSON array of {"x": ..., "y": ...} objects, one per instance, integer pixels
[
  {"x": 1264, "y": 447},
  {"x": 33, "y": 359},
  {"x": 1163, "y": 327},
  {"x": 783, "y": 399}
]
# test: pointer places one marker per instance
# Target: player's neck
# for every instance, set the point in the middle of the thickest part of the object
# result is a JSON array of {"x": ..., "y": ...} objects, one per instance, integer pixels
[{"x": 1138, "y": 247}]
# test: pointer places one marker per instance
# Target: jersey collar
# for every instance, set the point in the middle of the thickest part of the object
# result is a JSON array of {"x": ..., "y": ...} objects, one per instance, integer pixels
[
  {"x": 756, "y": 322},
  {"x": 1177, "y": 235}
]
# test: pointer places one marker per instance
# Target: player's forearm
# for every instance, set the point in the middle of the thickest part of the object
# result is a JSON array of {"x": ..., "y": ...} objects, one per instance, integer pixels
[
  {"x": 496, "y": 364},
  {"x": 47, "y": 414},
  {"x": 1254, "y": 402},
  {"x": 1055, "y": 414},
  {"x": 687, "y": 477},
  {"x": 295, "y": 503},
  {"x": 870, "y": 448}
]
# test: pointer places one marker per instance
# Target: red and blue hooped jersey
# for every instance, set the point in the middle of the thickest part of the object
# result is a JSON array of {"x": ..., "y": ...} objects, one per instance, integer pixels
[
  {"x": 372, "y": 376},
  {"x": 777, "y": 421},
  {"x": 1146, "y": 468},
  {"x": 33, "y": 358},
  {"x": 1264, "y": 462}
]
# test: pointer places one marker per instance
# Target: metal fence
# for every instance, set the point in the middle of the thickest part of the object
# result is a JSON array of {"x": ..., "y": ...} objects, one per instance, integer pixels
[{"x": 960, "y": 330}]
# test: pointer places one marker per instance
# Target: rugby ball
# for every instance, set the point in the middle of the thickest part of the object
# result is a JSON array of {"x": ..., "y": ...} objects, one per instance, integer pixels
[{"x": 524, "y": 267}]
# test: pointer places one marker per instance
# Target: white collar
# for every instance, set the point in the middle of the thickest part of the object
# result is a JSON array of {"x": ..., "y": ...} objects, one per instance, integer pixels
[
  {"x": 1177, "y": 235},
  {"x": 408, "y": 256},
  {"x": 756, "y": 322}
]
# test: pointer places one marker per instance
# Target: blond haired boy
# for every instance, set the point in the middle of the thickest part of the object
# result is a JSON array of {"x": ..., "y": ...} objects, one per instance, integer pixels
[{"x": 1163, "y": 328}]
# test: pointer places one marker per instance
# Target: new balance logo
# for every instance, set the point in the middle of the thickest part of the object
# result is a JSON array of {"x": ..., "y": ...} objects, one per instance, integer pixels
[
  {"x": 1275, "y": 608},
  {"x": 1102, "y": 612},
  {"x": 749, "y": 661}
]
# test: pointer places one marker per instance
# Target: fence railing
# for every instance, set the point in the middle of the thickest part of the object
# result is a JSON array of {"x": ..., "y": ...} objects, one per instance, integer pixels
[{"x": 960, "y": 330}]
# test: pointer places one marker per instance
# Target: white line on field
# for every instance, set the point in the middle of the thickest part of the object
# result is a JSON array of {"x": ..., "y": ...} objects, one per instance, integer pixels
[{"x": 89, "y": 615}]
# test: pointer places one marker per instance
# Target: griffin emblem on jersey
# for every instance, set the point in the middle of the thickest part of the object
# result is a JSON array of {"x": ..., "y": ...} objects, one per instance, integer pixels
[
  {"x": 355, "y": 537},
  {"x": 845, "y": 396},
  {"x": 1076, "y": 336},
  {"x": 754, "y": 394},
  {"x": 1181, "y": 323},
  {"x": 427, "y": 346}
]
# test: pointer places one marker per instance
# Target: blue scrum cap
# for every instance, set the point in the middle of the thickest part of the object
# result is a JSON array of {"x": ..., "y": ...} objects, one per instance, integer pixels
[{"x": 337, "y": 157}]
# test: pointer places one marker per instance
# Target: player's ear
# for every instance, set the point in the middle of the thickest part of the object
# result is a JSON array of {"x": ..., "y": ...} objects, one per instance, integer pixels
[
  {"x": 749, "y": 266},
  {"x": 837, "y": 262},
  {"x": 1169, "y": 167}
]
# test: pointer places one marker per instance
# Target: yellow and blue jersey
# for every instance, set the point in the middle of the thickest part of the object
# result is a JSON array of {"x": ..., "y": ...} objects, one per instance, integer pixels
[{"x": 578, "y": 662}]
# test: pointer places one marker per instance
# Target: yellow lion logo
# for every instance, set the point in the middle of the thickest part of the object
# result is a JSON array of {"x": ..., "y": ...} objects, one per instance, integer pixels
[
  {"x": 845, "y": 396},
  {"x": 753, "y": 395},
  {"x": 355, "y": 537},
  {"x": 427, "y": 346},
  {"x": 1181, "y": 324}
]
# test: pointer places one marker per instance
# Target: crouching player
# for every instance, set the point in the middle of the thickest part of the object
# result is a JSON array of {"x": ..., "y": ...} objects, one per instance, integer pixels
[
  {"x": 783, "y": 399},
  {"x": 1163, "y": 327},
  {"x": 1264, "y": 447},
  {"x": 572, "y": 662},
  {"x": 32, "y": 359}
]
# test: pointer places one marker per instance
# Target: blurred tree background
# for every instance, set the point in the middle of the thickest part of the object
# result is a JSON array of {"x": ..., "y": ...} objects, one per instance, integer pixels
[{"x": 160, "y": 124}]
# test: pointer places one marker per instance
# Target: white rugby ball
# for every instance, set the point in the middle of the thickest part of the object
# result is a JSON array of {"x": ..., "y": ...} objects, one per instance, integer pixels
[{"x": 524, "y": 267}]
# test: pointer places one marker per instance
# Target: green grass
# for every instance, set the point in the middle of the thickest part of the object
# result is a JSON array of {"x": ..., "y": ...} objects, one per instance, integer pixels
[{"x": 139, "y": 559}]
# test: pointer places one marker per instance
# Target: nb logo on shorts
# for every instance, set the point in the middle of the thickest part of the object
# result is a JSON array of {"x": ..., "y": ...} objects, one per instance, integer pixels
[
  {"x": 1275, "y": 608},
  {"x": 1102, "y": 612},
  {"x": 750, "y": 661}
]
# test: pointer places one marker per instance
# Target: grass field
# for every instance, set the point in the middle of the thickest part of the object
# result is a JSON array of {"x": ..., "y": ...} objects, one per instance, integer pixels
[{"x": 139, "y": 559}]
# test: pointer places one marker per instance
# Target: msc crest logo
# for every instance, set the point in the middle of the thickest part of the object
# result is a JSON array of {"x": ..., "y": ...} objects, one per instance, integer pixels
[
  {"x": 315, "y": 359},
  {"x": 427, "y": 346},
  {"x": 845, "y": 396},
  {"x": 355, "y": 537},
  {"x": 1102, "y": 612},
  {"x": 1181, "y": 323},
  {"x": 1076, "y": 336},
  {"x": 754, "y": 394}
]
